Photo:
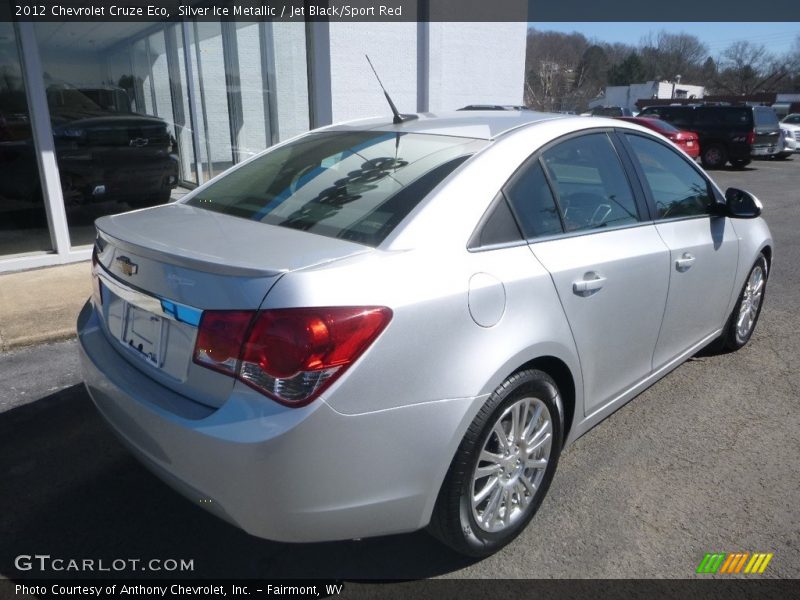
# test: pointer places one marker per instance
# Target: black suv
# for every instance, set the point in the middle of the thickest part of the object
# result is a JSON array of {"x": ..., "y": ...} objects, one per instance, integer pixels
[{"x": 732, "y": 134}]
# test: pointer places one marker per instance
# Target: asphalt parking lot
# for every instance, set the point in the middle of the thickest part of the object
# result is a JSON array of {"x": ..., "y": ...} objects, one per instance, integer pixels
[{"x": 704, "y": 461}]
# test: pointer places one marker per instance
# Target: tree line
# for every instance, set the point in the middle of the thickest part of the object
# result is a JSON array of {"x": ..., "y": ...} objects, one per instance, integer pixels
[{"x": 564, "y": 71}]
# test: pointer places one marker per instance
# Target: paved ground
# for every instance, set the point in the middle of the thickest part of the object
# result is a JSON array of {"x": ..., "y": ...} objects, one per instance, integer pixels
[
  {"x": 706, "y": 460},
  {"x": 40, "y": 305}
]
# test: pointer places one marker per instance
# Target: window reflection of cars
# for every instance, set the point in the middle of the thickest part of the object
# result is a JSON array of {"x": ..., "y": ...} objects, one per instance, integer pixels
[
  {"x": 104, "y": 153},
  {"x": 108, "y": 153}
]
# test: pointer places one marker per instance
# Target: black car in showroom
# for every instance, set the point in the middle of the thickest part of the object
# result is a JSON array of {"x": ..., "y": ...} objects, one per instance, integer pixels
[
  {"x": 105, "y": 154},
  {"x": 727, "y": 133}
]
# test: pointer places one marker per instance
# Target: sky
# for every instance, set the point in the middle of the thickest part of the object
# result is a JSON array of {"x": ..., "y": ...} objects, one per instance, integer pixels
[{"x": 777, "y": 37}]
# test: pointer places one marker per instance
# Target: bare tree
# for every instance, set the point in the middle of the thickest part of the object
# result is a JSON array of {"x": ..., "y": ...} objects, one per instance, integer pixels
[
  {"x": 665, "y": 55},
  {"x": 747, "y": 68}
]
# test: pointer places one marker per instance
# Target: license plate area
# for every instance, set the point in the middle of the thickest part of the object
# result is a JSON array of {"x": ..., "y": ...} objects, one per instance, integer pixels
[{"x": 143, "y": 332}]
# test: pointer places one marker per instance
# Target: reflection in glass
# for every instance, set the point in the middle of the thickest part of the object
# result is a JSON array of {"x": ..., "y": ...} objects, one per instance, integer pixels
[
  {"x": 23, "y": 222},
  {"x": 114, "y": 152}
]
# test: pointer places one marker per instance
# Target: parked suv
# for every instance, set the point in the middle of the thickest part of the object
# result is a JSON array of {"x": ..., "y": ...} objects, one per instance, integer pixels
[{"x": 732, "y": 134}]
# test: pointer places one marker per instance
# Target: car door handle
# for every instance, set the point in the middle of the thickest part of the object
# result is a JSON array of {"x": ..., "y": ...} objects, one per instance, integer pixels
[
  {"x": 590, "y": 283},
  {"x": 685, "y": 262}
]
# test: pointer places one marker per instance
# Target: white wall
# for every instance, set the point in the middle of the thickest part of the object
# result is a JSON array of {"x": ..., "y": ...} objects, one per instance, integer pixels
[
  {"x": 392, "y": 47},
  {"x": 291, "y": 78},
  {"x": 476, "y": 63}
]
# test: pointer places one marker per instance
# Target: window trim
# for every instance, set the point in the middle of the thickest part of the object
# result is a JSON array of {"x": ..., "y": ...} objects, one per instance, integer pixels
[
  {"x": 634, "y": 182},
  {"x": 648, "y": 193}
]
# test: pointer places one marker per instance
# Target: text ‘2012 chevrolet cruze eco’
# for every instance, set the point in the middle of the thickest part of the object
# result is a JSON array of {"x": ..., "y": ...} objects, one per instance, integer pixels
[{"x": 381, "y": 326}]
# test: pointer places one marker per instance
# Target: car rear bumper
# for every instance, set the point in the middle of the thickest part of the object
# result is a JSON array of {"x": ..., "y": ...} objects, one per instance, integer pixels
[
  {"x": 294, "y": 475},
  {"x": 765, "y": 150}
]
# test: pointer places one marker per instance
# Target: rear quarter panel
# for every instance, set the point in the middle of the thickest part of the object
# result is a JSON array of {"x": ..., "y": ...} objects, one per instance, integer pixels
[{"x": 433, "y": 349}]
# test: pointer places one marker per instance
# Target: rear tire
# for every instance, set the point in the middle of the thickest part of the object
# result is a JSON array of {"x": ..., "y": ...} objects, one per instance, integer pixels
[
  {"x": 503, "y": 467},
  {"x": 714, "y": 156}
]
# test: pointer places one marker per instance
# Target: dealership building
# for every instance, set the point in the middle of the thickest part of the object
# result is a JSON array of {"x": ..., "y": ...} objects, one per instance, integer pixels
[{"x": 99, "y": 117}]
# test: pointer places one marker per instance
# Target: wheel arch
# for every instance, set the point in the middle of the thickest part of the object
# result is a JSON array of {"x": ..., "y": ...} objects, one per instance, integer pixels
[{"x": 562, "y": 375}]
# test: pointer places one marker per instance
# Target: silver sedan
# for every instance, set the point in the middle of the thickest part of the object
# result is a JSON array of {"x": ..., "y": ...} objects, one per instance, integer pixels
[{"x": 378, "y": 327}]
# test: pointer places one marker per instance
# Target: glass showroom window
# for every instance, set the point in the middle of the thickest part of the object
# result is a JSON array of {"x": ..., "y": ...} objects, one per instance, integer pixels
[
  {"x": 114, "y": 152},
  {"x": 23, "y": 220},
  {"x": 141, "y": 112}
]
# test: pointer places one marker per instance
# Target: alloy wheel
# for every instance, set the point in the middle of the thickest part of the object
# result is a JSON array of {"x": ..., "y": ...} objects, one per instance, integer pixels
[
  {"x": 751, "y": 300},
  {"x": 511, "y": 465}
]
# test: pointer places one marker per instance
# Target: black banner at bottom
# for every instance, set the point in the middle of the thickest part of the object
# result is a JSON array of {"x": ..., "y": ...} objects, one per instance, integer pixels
[{"x": 439, "y": 589}]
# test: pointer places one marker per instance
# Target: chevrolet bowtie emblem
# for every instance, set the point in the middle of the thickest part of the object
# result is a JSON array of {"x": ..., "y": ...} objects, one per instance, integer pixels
[{"x": 126, "y": 266}]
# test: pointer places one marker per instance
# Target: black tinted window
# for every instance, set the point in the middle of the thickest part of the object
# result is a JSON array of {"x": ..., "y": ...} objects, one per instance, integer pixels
[
  {"x": 355, "y": 185},
  {"x": 499, "y": 226},
  {"x": 533, "y": 203},
  {"x": 708, "y": 117},
  {"x": 677, "y": 188},
  {"x": 592, "y": 188},
  {"x": 680, "y": 117}
]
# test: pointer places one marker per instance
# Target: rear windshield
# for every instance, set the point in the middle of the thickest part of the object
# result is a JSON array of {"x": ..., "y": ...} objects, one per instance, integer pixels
[
  {"x": 765, "y": 117},
  {"x": 354, "y": 185},
  {"x": 661, "y": 125}
]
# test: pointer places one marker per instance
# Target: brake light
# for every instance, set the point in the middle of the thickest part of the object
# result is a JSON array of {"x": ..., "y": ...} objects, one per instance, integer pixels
[
  {"x": 751, "y": 137},
  {"x": 290, "y": 354},
  {"x": 220, "y": 336}
]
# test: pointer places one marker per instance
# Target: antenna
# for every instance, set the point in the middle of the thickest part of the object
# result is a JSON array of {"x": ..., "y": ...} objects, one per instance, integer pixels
[{"x": 398, "y": 118}]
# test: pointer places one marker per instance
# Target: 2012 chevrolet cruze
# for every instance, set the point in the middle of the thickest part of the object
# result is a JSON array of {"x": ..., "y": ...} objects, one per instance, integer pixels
[{"x": 377, "y": 327}]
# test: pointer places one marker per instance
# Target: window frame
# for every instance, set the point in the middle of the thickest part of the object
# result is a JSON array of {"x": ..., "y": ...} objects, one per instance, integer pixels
[
  {"x": 713, "y": 193},
  {"x": 637, "y": 190}
]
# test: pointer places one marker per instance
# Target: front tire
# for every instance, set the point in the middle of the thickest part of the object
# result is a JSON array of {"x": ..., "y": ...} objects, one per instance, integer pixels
[
  {"x": 503, "y": 467},
  {"x": 742, "y": 321}
]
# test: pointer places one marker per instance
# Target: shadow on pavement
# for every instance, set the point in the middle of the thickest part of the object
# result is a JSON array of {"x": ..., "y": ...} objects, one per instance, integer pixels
[{"x": 69, "y": 489}]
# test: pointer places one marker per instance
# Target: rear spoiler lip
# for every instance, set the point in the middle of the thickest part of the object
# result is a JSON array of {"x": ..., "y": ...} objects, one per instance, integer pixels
[{"x": 179, "y": 260}]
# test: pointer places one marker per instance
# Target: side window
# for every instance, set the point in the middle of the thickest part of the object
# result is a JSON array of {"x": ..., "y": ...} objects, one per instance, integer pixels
[
  {"x": 532, "y": 202},
  {"x": 681, "y": 117},
  {"x": 708, "y": 117},
  {"x": 498, "y": 227},
  {"x": 591, "y": 185},
  {"x": 677, "y": 188}
]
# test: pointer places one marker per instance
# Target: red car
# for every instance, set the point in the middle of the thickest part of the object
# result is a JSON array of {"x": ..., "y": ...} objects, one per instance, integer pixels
[{"x": 685, "y": 140}]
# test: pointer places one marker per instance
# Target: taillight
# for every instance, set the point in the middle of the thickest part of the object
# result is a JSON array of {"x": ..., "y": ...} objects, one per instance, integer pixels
[
  {"x": 751, "y": 137},
  {"x": 220, "y": 336},
  {"x": 289, "y": 354}
]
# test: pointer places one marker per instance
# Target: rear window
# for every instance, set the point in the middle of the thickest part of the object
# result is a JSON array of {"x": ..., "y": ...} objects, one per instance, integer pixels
[
  {"x": 353, "y": 185},
  {"x": 765, "y": 117},
  {"x": 659, "y": 125}
]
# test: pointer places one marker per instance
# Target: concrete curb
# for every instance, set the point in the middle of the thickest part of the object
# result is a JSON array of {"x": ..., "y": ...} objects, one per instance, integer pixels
[{"x": 42, "y": 305}]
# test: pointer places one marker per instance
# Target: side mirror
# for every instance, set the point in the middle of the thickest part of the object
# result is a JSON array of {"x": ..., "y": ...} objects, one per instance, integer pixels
[{"x": 742, "y": 204}]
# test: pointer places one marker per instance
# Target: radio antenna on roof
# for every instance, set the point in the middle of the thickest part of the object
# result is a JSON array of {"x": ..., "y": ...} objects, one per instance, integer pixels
[{"x": 398, "y": 118}]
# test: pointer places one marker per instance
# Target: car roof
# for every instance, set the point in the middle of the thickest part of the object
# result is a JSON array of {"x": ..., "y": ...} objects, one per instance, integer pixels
[{"x": 479, "y": 124}]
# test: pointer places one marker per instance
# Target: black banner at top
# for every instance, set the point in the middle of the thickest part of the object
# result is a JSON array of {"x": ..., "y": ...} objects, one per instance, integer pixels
[{"x": 399, "y": 10}]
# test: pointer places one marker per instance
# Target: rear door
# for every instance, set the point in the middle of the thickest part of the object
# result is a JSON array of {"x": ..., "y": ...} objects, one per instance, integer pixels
[
  {"x": 608, "y": 264},
  {"x": 703, "y": 248}
]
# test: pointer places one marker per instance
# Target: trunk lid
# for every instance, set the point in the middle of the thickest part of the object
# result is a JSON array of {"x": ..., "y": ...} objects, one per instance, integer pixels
[{"x": 158, "y": 269}]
